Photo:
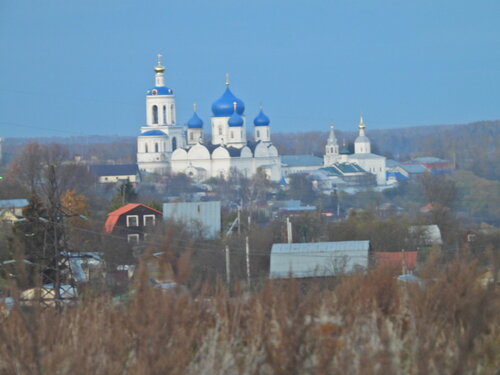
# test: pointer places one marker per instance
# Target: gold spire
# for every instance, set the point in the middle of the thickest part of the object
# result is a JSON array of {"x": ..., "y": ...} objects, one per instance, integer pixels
[
  {"x": 332, "y": 126},
  {"x": 227, "y": 79},
  {"x": 261, "y": 107},
  {"x": 234, "y": 105},
  {"x": 159, "y": 68},
  {"x": 194, "y": 107},
  {"x": 361, "y": 122}
]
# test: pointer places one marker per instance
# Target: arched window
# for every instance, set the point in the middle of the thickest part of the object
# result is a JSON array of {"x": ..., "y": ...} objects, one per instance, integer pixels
[
  {"x": 174, "y": 143},
  {"x": 232, "y": 135},
  {"x": 172, "y": 113},
  {"x": 267, "y": 133},
  {"x": 191, "y": 136},
  {"x": 145, "y": 147},
  {"x": 156, "y": 147},
  {"x": 258, "y": 134},
  {"x": 220, "y": 130},
  {"x": 155, "y": 114},
  {"x": 164, "y": 114}
]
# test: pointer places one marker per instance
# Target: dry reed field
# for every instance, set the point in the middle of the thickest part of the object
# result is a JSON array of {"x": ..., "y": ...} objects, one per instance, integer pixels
[{"x": 364, "y": 324}]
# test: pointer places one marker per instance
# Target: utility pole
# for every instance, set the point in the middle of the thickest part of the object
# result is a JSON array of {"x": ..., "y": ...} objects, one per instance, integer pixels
[
  {"x": 288, "y": 230},
  {"x": 239, "y": 220},
  {"x": 228, "y": 267},
  {"x": 403, "y": 262},
  {"x": 247, "y": 247}
]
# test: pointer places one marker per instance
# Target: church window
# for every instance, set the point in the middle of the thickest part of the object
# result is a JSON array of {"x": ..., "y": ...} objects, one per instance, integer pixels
[
  {"x": 232, "y": 135},
  {"x": 172, "y": 113},
  {"x": 220, "y": 130},
  {"x": 156, "y": 147},
  {"x": 155, "y": 114},
  {"x": 145, "y": 147},
  {"x": 174, "y": 143},
  {"x": 241, "y": 134},
  {"x": 267, "y": 133},
  {"x": 164, "y": 114},
  {"x": 191, "y": 136},
  {"x": 258, "y": 134}
]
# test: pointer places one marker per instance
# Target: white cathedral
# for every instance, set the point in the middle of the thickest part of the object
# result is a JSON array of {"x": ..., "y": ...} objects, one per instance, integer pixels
[
  {"x": 371, "y": 163},
  {"x": 164, "y": 146}
]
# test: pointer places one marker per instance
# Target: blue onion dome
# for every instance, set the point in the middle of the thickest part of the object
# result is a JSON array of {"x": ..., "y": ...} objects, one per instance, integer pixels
[
  {"x": 235, "y": 119},
  {"x": 223, "y": 107},
  {"x": 261, "y": 119},
  {"x": 195, "y": 122},
  {"x": 153, "y": 133},
  {"x": 160, "y": 90}
]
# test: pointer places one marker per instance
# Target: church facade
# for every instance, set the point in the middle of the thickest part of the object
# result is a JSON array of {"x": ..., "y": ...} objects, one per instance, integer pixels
[
  {"x": 371, "y": 163},
  {"x": 165, "y": 146}
]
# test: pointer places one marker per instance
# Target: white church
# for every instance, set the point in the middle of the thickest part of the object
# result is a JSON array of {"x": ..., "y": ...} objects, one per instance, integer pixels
[
  {"x": 371, "y": 163},
  {"x": 165, "y": 146}
]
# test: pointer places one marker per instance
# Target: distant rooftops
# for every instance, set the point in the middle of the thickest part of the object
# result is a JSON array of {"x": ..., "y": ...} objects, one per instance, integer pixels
[
  {"x": 301, "y": 161},
  {"x": 13, "y": 203},
  {"x": 115, "y": 170}
]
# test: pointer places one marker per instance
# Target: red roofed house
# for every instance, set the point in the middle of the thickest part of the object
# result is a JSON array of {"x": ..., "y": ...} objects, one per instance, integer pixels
[
  {"x": 132, "y": 221},
  {"x": 398, "y": 260}
]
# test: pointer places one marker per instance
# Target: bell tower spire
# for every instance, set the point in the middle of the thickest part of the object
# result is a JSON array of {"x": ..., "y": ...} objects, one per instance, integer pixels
[
  {"x": 159, "y": 72},
  {"x": 331, "y": 148}
]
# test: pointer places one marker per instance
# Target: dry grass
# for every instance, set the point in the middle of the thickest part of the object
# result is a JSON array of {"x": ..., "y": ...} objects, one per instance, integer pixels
[{"x": 368, "y": 324}]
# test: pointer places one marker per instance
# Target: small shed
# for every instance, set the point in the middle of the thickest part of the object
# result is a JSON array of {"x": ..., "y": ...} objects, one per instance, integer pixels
[
  {"x": 316, "y": 259},
  {"x": 196, "y": 215}
]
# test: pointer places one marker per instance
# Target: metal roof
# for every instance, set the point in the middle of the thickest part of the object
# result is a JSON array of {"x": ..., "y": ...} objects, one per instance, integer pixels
[
  {"x": 13, "y": 203},
  {"x": 301, "y": 160},
  {"x": 322, "y": 247},
  {"x": 414, "y": 168},
  {"x": 318, "y": 258},
  {"x": 429, "y": 160},
  {"x": 390, "y": 163}
]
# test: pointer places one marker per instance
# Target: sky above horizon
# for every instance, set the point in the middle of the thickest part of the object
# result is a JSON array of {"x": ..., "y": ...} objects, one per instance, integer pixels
[{"x": 81, "y": 68}]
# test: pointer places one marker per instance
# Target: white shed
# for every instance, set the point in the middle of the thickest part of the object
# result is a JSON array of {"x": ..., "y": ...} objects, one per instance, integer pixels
[{"x": 318, "y": 258}]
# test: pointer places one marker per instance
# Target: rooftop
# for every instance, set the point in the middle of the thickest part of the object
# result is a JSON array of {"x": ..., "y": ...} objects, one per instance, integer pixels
[{"x": 301, "y": 161}]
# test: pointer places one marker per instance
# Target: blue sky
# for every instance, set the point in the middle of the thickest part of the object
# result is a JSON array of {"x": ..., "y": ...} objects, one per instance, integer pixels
[{"x": 79, "y": 68}]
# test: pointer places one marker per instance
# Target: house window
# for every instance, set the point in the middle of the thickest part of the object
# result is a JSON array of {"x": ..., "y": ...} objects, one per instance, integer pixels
[
  {"x": 149, "y": 220},
  {"x": 132, "y": 220},
  {"x": 133, "y": 238}
]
